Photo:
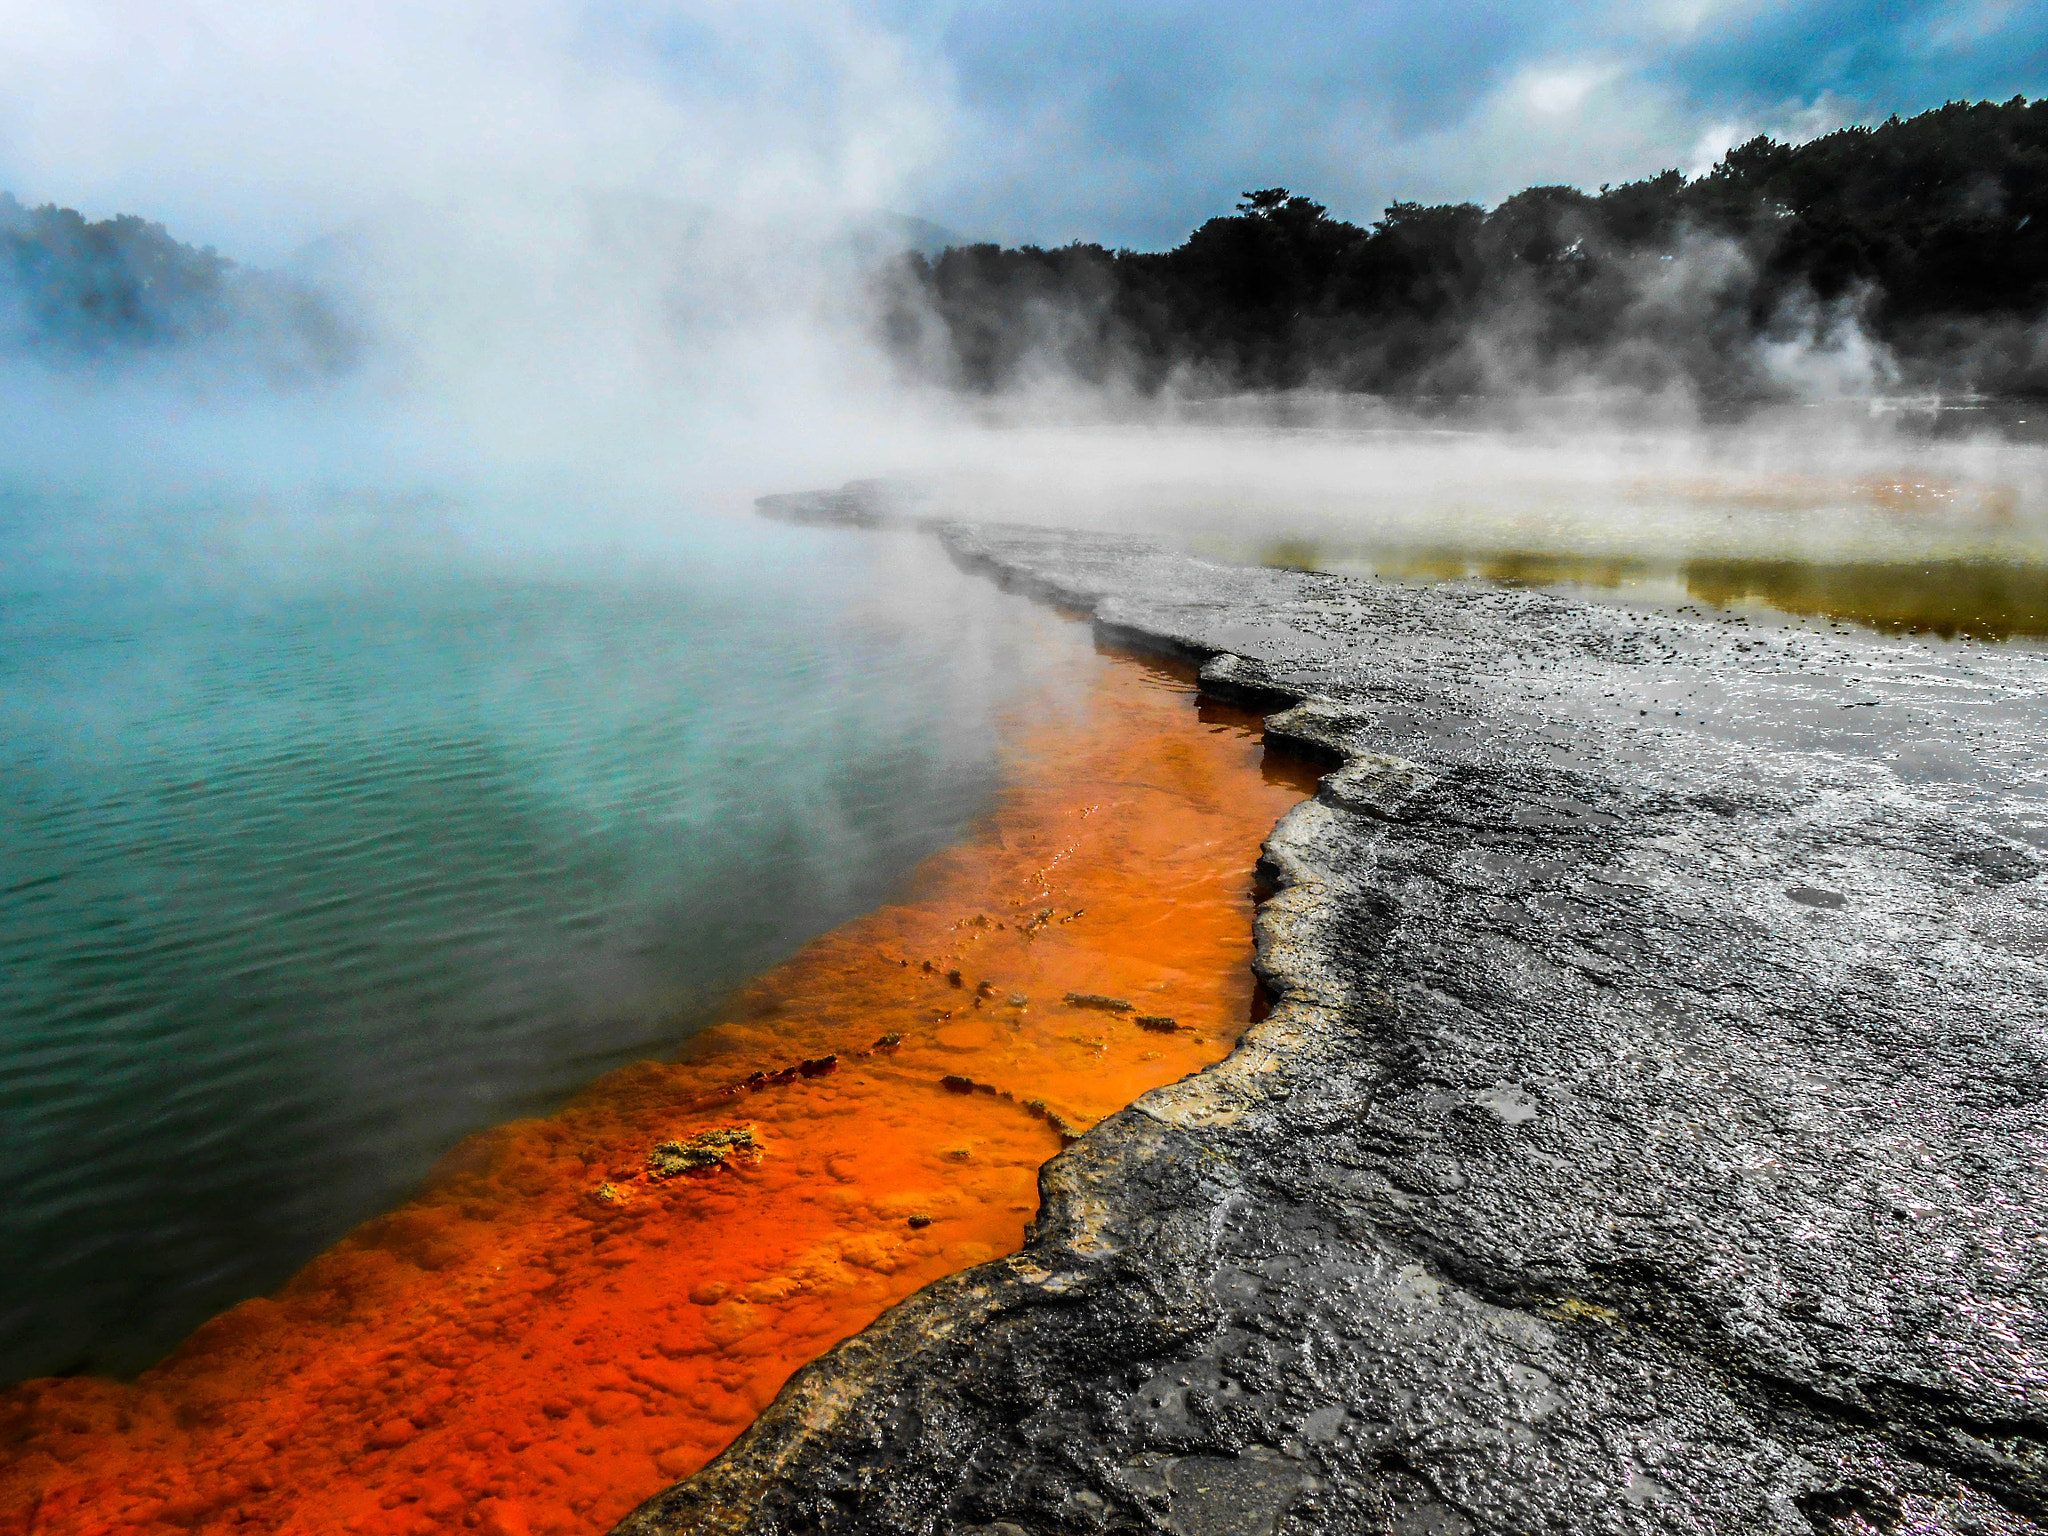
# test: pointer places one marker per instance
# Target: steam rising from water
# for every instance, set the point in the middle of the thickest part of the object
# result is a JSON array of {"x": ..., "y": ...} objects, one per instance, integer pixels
[
  {"x": 637, "y": 251},
  {"x": 614, "y": 278},
  {"x": 1338, "y": 487},
  {"x": 608, "y": 249}
]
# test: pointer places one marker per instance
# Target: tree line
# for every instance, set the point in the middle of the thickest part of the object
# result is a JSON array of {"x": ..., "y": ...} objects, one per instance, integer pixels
[
  {"x": 1909, "y": 254},
  {"x": 1913, "y": 253},
  {"x": 75, "y": 290}
]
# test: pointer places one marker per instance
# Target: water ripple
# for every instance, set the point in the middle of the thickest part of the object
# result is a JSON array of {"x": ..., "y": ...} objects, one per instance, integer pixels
[{"x": 298, "y": 886}]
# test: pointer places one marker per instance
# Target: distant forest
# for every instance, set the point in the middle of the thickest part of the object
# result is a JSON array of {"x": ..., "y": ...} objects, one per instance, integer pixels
[
  {"x": 1910, "y": 254},
  {"x": 74, "y": 291}
]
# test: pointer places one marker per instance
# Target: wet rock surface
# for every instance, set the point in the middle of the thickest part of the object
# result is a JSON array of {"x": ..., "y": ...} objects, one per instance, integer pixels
[{"x": 1647, "y": 1134}]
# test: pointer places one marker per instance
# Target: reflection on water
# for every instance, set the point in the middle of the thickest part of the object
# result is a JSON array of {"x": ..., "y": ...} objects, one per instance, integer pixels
[
  {"x": 1927, "y": 532},
  {"x": 1948, "y": 598},
  {"x": 1980, "y": 599},
  {"x": 1524, "y": 568},
  {"x": 1901, "y": 490},
  {"x": 303, "y": 880}
]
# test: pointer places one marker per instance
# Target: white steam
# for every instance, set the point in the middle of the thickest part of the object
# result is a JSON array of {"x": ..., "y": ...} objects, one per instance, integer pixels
[
  {"x": 586, "y": 248},
  {"x": 626, "y": 252},
  {"x": 264, "y": 126}
]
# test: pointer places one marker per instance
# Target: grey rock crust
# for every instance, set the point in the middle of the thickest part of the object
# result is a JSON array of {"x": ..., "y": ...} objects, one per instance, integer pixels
[{"x": 1647, "y": 1134}]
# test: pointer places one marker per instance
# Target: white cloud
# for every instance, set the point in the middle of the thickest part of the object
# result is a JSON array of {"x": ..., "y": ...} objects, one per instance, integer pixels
[
  {"x": 255, "y": 125},
  {"x": 1965, "y": 24},
  {"x": 1684, "y": 18},
  {"x": 1582, "y": 122},
  {"x": 1563, "y": 92},
  {"x": 1792, "y": 122},
  {"x": 258, "y": 125},
  {"x": 1553, "y": 122}
]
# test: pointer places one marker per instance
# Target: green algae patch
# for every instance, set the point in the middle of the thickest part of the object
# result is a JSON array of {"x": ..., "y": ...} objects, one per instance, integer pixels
[{"x": 707, "y": 1149}]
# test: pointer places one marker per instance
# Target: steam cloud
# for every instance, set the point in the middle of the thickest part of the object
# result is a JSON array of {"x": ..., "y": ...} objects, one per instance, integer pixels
[
  {"x": 637, "y": 249},
  {"x": 582, "y": 249}
]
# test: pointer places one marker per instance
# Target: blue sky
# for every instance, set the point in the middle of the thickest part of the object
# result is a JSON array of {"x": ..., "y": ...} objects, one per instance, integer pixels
[
  {"x": 259, "y": 126},
  {"x": 1130, "y": 126}
]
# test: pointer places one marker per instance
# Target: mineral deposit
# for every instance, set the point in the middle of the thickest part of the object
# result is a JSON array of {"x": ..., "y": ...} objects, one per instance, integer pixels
[{"x": 1646, "y": 1133}]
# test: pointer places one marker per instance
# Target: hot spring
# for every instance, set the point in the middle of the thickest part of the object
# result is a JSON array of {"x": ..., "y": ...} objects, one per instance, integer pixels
[{"x": 313, "y": 862}]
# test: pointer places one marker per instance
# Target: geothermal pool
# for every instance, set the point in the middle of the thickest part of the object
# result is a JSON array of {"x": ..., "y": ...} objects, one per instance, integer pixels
[
  {"x": 571, "y": 1315},
  {"x": 1931, "y": 524},
  {"x": 308, "y": 871},
  {"x": 888, "y": 882}
]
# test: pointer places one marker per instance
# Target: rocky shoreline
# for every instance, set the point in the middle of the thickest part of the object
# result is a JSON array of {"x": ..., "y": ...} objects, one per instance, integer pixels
[{"x": 1646, "y": 1135}]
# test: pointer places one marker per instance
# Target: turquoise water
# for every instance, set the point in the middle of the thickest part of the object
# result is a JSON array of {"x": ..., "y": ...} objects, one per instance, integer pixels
[{"x": 309, "y": 868}]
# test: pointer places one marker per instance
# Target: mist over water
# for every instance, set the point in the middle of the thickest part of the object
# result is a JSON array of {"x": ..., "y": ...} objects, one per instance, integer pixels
[
  {"x": 1925, "y": 517},
  {"x": 304, "y": 875},
  {"x": 387, "y": 757},
  {"x": 390, "y": 750}
]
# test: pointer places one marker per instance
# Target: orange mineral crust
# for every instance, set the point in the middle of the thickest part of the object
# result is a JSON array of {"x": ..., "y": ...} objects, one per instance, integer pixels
[{"x": 579, "y": 1310}]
